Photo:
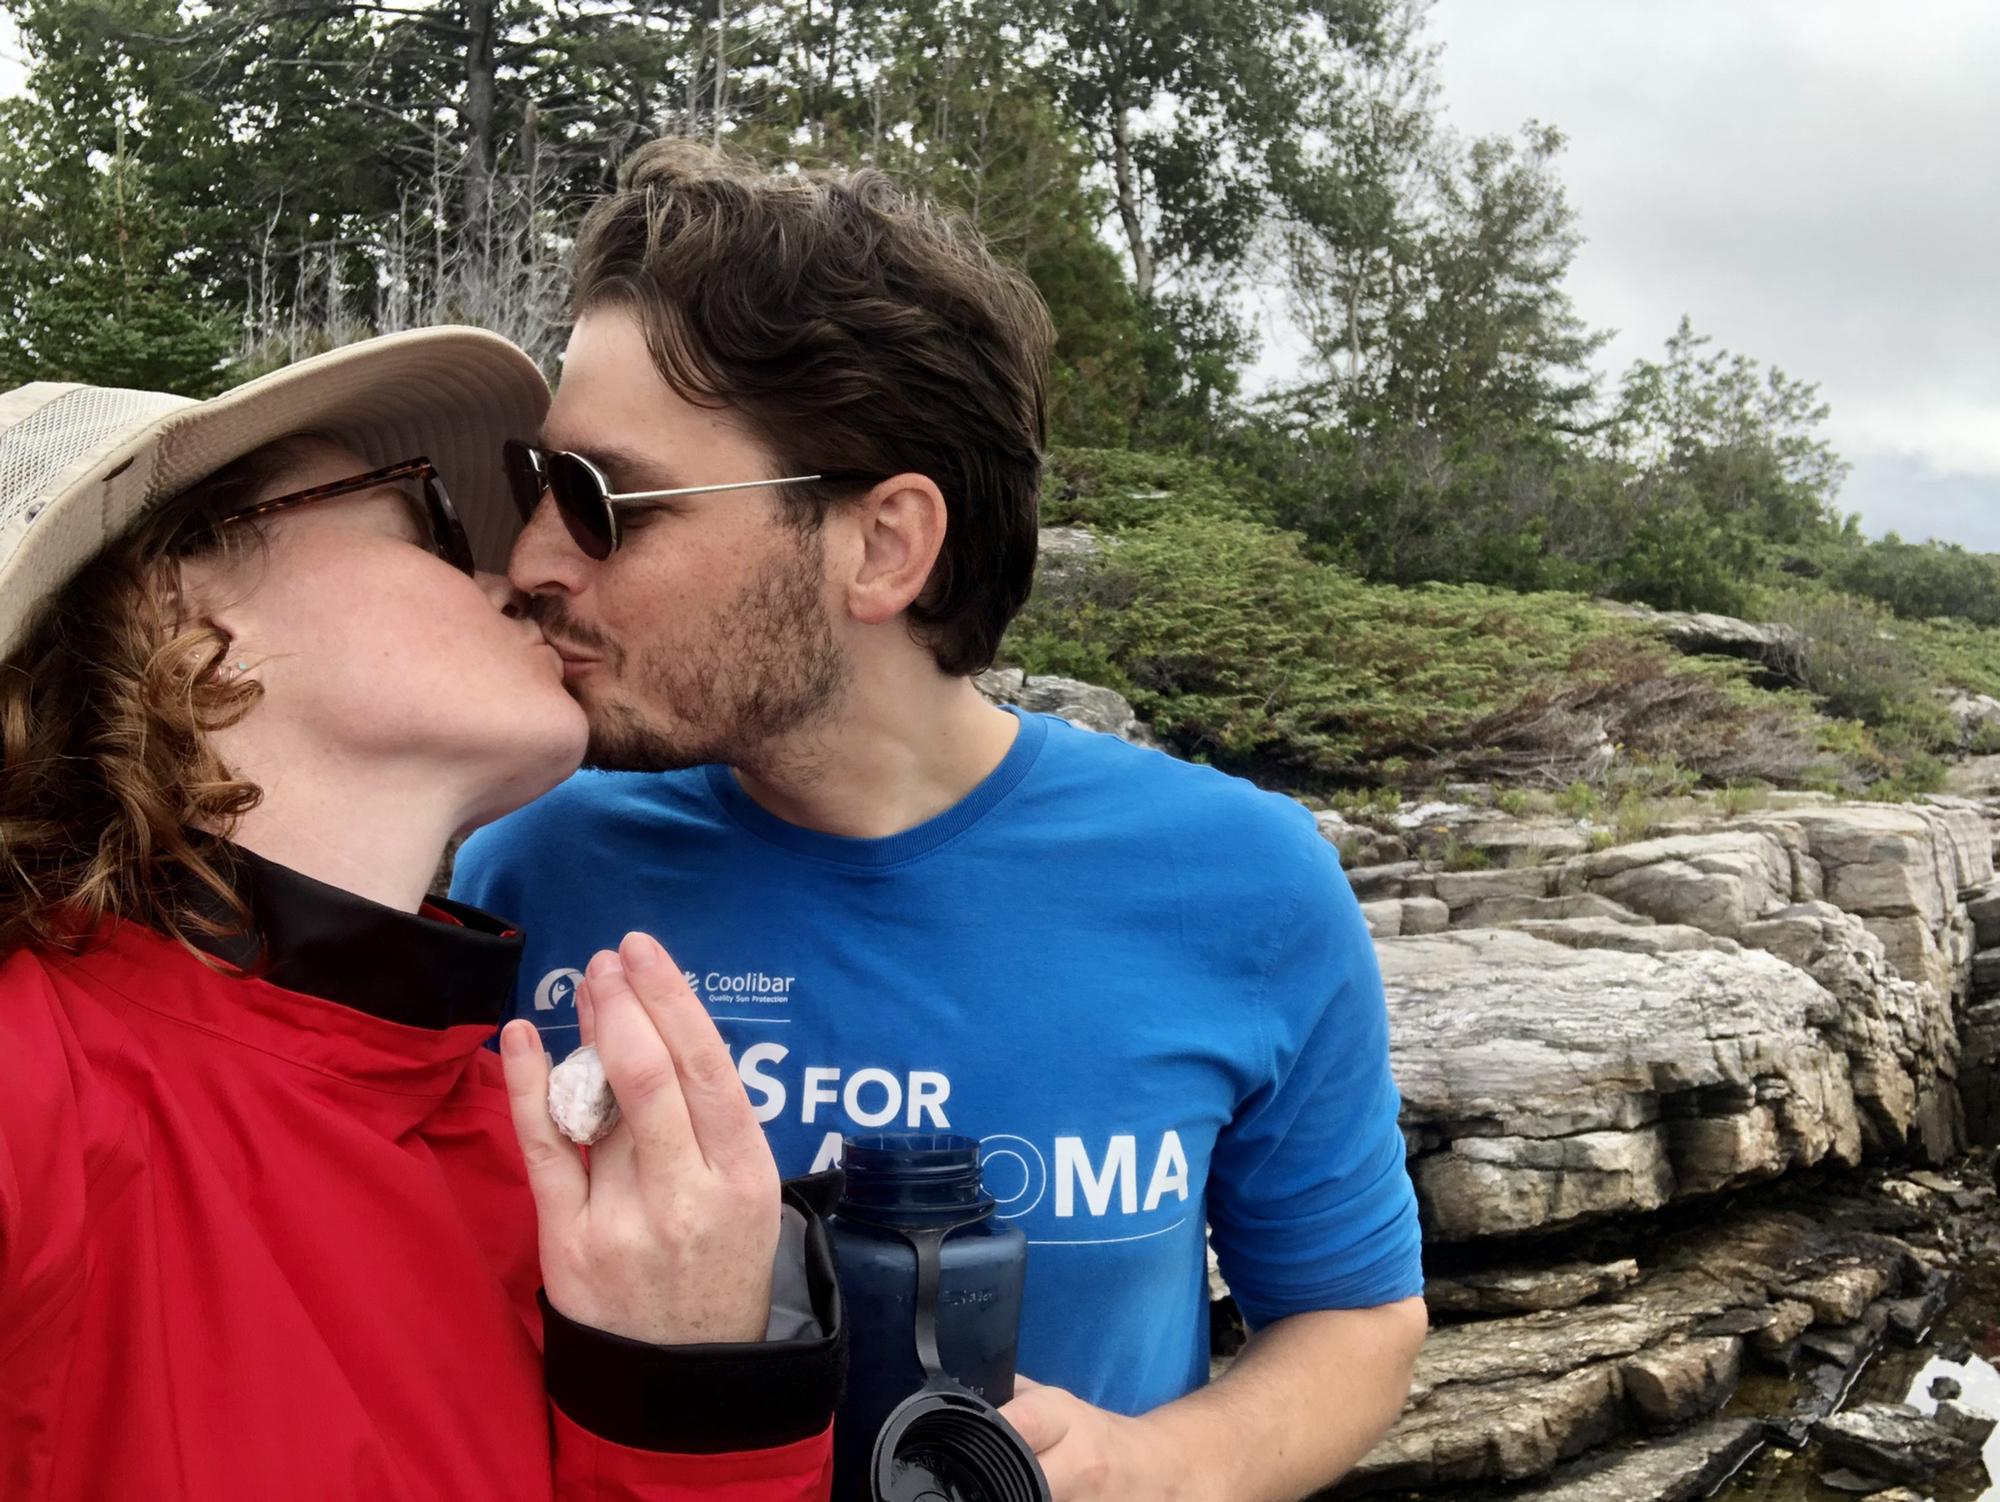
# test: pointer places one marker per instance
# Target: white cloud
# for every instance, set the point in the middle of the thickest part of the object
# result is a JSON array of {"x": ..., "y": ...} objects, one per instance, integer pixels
[
  {"x": 1809, "y": 180},
  {"x": 13, "y": 69}
]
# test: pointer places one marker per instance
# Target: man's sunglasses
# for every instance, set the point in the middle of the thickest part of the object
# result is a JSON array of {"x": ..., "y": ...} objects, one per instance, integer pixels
[
  {"x": 447, "y": 534},
  {"x": 588, "y": 505}
]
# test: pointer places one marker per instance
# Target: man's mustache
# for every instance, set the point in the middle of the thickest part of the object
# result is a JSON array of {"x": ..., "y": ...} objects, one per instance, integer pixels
[{"x": 563, "y": 629}]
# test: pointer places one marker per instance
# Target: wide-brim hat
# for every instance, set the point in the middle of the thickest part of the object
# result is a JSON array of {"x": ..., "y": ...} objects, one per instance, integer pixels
[{"x": 79, "y": 464}]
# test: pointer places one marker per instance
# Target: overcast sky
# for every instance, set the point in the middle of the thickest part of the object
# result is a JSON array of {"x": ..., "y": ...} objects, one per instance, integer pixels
[{"x": 1815, "y": 182}]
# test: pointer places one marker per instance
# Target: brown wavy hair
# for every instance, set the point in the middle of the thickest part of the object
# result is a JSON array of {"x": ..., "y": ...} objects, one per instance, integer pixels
[
  {"x": 113, "y": 804},
  {"x": 858, "y": 329}
]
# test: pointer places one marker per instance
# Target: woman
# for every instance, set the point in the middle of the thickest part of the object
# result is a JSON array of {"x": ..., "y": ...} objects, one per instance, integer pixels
[{"x": 273, "y": 1221}]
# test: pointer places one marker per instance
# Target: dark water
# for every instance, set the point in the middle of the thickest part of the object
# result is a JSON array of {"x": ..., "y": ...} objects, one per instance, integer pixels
[{"x": 1777, "y": 1476}]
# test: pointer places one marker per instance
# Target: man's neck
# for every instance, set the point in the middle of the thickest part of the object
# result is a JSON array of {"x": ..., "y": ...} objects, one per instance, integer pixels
[{"x": 893, "y": 758}]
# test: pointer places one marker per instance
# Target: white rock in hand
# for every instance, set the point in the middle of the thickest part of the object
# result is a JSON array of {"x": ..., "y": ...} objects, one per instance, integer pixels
[
  {"x": 667, "y": 1232},
  {"x": 580, "y": 1097}
]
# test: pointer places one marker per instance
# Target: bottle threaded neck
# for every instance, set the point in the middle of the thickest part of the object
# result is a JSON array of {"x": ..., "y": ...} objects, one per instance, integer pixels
[{"x": 910, "y": 1173}]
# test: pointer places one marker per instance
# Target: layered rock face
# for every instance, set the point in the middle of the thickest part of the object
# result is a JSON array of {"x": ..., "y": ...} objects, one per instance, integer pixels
[
  {"x": 1609, "y": 1032},
  {"x": 1597, "y": 1048},
  {"x": 1593, "y": 1082},
  {"x": 1508, "y": 1399}
]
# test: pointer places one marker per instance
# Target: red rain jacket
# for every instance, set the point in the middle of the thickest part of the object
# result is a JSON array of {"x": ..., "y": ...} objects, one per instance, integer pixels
[{"x": 255, "y": 1243}]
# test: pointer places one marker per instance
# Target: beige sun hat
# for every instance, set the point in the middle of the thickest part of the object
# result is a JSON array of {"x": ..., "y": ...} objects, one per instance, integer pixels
[{"x": 79, "y": 464}]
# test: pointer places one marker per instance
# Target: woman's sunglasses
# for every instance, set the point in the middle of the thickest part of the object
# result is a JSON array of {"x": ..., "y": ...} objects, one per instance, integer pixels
[
  {"x": 447, "y": 535},
  {"x": 589, "y": 506}
]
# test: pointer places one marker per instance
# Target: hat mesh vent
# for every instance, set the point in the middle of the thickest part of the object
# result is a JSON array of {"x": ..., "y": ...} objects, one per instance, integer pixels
[{"x": 41, "y": 447}]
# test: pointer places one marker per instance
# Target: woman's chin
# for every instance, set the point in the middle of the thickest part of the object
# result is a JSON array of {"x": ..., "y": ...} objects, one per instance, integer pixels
[{"x": 541, "y": 766}]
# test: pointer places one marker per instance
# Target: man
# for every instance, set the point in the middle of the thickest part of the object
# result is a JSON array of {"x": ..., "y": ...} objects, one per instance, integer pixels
[{"x": 1142, "y": 984}]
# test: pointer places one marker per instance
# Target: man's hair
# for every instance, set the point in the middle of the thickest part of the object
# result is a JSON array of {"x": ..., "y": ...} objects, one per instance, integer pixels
[{"x": 857, "y": 329}]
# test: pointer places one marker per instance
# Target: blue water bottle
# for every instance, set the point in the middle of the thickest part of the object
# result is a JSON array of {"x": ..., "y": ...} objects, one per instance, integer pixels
[{"x": 932, "y": 1284}]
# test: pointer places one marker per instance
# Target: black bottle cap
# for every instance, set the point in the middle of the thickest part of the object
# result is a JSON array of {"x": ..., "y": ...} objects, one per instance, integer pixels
[{"x": 946, "y": 1444}]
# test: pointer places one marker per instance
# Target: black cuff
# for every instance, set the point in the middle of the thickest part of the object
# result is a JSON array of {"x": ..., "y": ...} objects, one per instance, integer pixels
[{"x": 704, "y": 1399}]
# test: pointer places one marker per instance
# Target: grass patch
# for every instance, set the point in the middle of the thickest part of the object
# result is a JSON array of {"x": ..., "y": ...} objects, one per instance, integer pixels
[{"x": 1741, "y": 798}]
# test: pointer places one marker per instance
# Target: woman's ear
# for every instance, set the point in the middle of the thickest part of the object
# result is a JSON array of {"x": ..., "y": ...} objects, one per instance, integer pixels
[
  {"x": 208, "y": 589},
  {"x": 901, "y": 527}
]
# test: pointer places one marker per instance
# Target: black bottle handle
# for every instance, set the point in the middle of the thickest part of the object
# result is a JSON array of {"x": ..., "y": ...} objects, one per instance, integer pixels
[{"x": 928, "y": 1243}]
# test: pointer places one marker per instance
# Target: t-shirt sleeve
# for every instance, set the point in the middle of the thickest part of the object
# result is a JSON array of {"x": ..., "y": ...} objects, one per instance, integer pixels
[{"x": 1310, "y": 1202}]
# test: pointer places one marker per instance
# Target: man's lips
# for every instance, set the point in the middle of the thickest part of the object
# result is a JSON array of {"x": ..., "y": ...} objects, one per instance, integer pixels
[{"x": 573, "y": 662}]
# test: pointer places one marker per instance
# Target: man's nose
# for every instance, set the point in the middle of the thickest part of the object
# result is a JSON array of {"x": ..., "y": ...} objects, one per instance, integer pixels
[
  {"x": 546, "y": 559},
  {"x": 500, "y": 591}
]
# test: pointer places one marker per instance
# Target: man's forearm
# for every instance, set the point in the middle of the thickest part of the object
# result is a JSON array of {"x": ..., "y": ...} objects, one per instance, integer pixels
[{"x": 1309, "y": 1396}]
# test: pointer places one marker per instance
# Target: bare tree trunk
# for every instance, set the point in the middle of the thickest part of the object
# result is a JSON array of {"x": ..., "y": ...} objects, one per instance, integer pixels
[
  {"x": 481, "y": 99},
  {"x": 693, "y": 99},
  {"x": 721, "y": 61},
  {"x": 1126, "y": 179},
  {"x": 1353, "y": 333}
]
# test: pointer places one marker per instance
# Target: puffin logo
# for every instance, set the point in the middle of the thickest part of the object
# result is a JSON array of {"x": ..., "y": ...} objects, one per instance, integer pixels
[{"x": 557, "y": 989}]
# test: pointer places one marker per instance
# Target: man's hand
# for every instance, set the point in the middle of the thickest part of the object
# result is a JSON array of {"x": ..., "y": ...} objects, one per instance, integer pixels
[
  {"x": 1307, "y": 1398},
  {"x": 667, "y": 1233},
  {"x": 1090, "y": 1455}
]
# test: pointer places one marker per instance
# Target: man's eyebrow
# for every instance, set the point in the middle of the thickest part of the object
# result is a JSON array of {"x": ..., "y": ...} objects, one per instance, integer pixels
[{"x": 622, "y": 466}]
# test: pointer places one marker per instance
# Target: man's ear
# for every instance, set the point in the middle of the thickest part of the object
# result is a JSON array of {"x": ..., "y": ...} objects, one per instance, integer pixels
[{"x": 901, "y": 527}]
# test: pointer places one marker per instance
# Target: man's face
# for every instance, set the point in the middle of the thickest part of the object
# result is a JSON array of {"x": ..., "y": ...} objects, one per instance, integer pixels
[{"x": 709, "y": 634}]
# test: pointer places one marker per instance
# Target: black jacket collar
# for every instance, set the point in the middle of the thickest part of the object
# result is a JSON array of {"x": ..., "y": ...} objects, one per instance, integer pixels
[{"x": 417, "y": 969}]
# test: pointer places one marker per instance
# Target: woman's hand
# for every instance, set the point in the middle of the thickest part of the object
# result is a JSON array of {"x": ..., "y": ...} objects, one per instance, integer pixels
[{"x": 668, "y": 1232}]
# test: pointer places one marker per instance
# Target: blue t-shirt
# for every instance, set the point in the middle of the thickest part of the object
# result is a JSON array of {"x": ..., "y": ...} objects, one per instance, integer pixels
[{"x": 1143, "y": 985}]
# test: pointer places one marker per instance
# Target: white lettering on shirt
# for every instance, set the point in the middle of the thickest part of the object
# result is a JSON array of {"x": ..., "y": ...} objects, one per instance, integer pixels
[
  {"x": 819, "y": 1091},
  {"x": 1170, "y": 1171},
  {"x": 1074, "y": 1171},
  {"x": 758, "y": 1083}
]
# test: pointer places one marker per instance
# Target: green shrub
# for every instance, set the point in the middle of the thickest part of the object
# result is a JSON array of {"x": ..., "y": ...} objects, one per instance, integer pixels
[
  {"x": 1580, "y": 801},
  {"x": 1238, "y": 648},
  {"x": 1861, "y": 664},
  {"x": 1635, "y": 817},
  {"x": 1112, "y": 490},
  {"x": 1245, "y": 650},
  {"x": 1923, "y": 580},
  {"x": 1454, "y": 855},
  {"x": 1231, "y": 642},
  {"x": 1955, "y": 653},
  {"x": 1366, "y": 805}
]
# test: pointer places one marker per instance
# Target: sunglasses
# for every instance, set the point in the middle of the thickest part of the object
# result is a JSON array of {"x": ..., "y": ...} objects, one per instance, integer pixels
[
  {"x": 447, "y": 534},
  {"x": 588, "y": 505}
]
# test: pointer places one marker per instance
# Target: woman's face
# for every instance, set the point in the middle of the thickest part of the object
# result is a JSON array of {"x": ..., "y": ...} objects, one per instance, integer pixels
[{"x": 376, "y": 656}]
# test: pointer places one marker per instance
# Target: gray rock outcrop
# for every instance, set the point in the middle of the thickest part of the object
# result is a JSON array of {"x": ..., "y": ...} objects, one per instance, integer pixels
[
  {"x": 1590, "y": 1082},
  {"x": 1084, "y": 704},
  {"x": 1615, "y": 1030},
  {"x": 1599, "y": 1035},
  {"x": 1512, "y": 1398},
  {"x": 1774, "y": 645}
]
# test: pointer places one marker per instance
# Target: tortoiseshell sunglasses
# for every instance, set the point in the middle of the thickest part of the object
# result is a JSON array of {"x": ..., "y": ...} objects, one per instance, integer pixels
[{"x": 448, "y": 539}]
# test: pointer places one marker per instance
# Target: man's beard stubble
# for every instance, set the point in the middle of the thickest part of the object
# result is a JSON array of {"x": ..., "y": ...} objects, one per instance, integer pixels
[{"x": 763, "y": 667}]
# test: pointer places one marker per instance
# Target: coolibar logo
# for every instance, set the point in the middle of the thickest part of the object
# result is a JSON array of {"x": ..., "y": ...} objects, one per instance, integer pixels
[
  {"x": 557, "y": 989},
  {"x": 752, "y": 985}
]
